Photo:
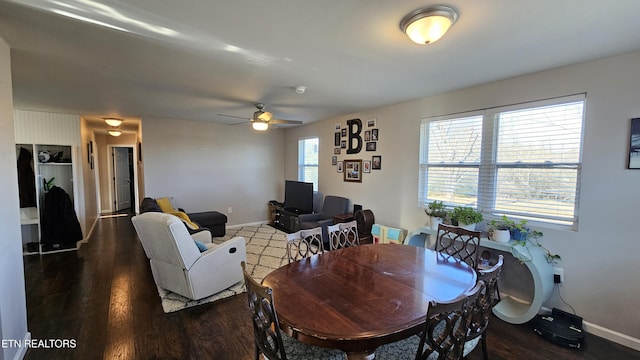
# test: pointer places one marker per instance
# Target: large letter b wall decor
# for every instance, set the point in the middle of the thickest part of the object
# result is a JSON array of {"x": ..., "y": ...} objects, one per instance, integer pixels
[{"x": 355, "y": 128}]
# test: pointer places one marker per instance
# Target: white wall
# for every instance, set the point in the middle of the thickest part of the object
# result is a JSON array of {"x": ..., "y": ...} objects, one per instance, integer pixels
[
  {"x": 600, "y": 259},
  {"x": 206, "y": 166},
  {"x": 13, "y": 310}
]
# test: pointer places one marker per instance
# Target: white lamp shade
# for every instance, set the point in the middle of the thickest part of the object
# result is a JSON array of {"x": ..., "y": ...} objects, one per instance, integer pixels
[
  {"x": 260, "y": 126},
  {"x": 115, "y": 132},
  {"x": 113, "y": 122},
  {"x": 428, "y": 29},
  {"x": 427, "y": 25}
]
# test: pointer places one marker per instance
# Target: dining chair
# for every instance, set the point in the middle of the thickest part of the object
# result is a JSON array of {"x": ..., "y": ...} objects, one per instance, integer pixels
[
  {"x": 481, "y": 312},
  {"x": 343, "y": 235},
  {"x": 458, "y": 242},
  {"x": 268, "y": 339},
  {"x": 443, "y": 336},
  {"x": 304, "y": 243}
]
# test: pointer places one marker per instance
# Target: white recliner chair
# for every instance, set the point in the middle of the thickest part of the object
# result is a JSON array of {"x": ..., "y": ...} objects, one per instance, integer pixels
[{"x": 178, "y": 265}]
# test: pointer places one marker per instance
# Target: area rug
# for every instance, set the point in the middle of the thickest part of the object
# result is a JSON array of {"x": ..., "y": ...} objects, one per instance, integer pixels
[{"x": 266, "y": 251}]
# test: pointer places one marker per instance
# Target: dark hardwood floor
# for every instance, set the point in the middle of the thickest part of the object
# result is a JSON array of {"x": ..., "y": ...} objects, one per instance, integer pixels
[{"x": 103, "y": 296}]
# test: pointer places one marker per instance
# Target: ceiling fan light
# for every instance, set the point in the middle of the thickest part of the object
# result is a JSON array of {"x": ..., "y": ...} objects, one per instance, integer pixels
[
  {"x": 115, "y": 132},
  {"x": 260, "y": 125},
  {"x": 113, "y": 121},
  {"x": 264, "y": 115},
  {"x": 427, "y": 25}
]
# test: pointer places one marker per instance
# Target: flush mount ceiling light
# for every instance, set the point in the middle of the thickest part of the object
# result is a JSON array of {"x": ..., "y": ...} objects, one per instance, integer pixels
[
  {"x": 428, "y": 24},
  {"x": 260, "y": 125},
  {"x": 115, "y": 132},
  {"x": 113, "y": 121}
]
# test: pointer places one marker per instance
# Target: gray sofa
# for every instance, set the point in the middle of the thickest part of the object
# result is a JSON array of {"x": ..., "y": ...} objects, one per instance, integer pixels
[
  {"x": 332, "y": 205},
  {"x": 214, "y": 221}
]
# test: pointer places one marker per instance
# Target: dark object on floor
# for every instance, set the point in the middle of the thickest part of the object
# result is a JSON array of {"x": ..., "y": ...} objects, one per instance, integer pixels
[
  {"x": 60, "y": 225},
  {"x": 365, "y": 220},
  {"x": 212, "y": 220},
  {"x": 561, "y": 328}
]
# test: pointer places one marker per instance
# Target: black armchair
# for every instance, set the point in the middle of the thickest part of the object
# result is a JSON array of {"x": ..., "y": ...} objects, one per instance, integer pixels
[{"x": 333, "y": 205}]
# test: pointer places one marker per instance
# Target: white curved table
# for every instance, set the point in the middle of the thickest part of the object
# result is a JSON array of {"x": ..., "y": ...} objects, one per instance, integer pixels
[{"x": 509, "y": 309}]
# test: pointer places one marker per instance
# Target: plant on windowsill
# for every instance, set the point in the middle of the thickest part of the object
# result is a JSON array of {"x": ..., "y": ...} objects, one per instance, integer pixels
[
  {"x": 528, "y": 236},
  {"x": 500, "y": 230},
  {"x": 466, "y": 217},
  {"x": 437, "y": 213}
]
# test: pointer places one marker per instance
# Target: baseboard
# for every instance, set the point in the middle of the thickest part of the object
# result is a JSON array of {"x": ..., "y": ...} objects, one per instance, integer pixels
[
  {"x": 257, "y": 223},
  {"x": 86, "y": 238},
  {"x": 611, "y": 335},
  {"x": 22, "y": 351}
]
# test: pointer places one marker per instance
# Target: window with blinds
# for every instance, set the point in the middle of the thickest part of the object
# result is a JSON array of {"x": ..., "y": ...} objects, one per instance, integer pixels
[
  {"x": 308, "y": 161},
  {"x": 523, "y": 161}
]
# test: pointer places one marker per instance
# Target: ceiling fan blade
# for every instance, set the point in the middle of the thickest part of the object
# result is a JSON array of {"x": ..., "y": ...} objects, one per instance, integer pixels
[
  {"x": 233, "y": 116},
  {"x": 285, "y": 122}
]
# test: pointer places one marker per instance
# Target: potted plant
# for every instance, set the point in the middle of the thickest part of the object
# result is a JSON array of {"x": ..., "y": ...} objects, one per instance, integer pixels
[
  {"x": 437, "y": 213},
  {"x": 523, "y": 235},
  {"x": 466, "y": 217},
  {"x": 533, "y": 239},
  {"x": 500, "y": 230}
]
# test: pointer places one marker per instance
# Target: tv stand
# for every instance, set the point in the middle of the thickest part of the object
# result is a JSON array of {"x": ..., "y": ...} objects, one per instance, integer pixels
[{"x": 285, "y": 219}]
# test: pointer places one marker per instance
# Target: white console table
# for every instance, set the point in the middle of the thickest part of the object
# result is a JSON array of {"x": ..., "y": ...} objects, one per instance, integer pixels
[{"x": 509, "y": 309}]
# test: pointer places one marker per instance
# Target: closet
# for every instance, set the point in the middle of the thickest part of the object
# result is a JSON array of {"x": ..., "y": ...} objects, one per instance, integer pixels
[
  {"x": 46, "y": 189},
  {"x": 50, "y": 186}
]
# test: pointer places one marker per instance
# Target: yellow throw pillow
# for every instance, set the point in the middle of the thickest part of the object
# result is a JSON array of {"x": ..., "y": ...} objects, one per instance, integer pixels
[
  {"x": 165, "y": 205},
  {"x": 185, "y": 218}
]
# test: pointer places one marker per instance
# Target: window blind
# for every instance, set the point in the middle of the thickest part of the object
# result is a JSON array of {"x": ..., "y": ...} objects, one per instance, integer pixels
[
  {"x": 522, "y": 160},
  {"x": 308, "y": 161}
]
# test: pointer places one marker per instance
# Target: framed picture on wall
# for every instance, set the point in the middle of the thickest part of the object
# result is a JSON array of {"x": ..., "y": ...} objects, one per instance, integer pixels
[
  {"x": 339, "y": 167},
  {"x": 353, "y": 170},
  {"x": 89, "y": 151},
  {"x": 366, "y": 166},
  {"x": 371, "y": 146},
  {"x": 374, "y": 134},
  {"x": 336, "y": 151},
  {"x": 634, "y": 144},
  {"x": 336, "y": 139},
  {"x": 334, "y": 160},
  {"x": 376, "y": 162},
  {"x": 371, "y": 122},
  {"x": 367, "y": 135},
  {"x": 344, "y": 132}
]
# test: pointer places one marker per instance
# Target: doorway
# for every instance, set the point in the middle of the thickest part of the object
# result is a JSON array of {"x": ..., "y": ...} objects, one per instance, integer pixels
[{"x": 123, "y": 187}]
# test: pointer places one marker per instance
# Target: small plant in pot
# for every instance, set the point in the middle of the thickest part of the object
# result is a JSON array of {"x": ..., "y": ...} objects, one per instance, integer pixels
[
  {"x": 523, "y": 235},
  {"x": 519, "y": 230},
  {"x": 437, "y": 213},
  {"x": 500, "y": 230},
  {"x": 466, "y": 217}
]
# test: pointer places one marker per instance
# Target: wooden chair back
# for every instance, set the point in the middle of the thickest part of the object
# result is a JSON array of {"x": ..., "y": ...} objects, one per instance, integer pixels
[
  {"x": 343, "y": 235},
  {"x": 487, "y": 298},
  {"x": 445, "y": 331},
  {"x": 458, "y": 242},
  {"x": 304, "y": 243},
  {"x": 267, "y": 337}
]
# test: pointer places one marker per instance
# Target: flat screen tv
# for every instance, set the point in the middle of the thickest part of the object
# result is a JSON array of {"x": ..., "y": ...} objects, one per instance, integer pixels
[{"x": 298, "y": 197}]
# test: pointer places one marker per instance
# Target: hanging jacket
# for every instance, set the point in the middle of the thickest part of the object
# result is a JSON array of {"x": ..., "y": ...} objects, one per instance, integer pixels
[
  {"x": 60, "y": 225},
  {"x": 26, "y": 179}
]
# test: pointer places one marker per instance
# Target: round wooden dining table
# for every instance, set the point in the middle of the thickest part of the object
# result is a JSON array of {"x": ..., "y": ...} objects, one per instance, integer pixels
[{"x": 359, "y": 298}]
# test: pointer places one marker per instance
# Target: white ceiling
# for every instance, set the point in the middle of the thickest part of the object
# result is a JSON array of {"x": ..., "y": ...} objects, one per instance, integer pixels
[{"x": 194, "y": 59}]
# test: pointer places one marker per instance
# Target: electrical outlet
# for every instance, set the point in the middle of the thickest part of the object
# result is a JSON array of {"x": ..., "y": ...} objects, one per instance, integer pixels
[
  {"x": 229, "y": 210},
  {"x": 558, "y": 275}
]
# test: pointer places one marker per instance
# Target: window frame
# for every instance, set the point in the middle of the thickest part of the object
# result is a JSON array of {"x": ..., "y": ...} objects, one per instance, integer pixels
[
  {"x": 302, "y": 165},
  {"x": 489, "y": 166}
]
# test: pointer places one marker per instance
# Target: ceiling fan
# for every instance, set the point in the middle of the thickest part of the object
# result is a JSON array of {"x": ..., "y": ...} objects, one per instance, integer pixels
[{"x": 262, "y": 119}]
